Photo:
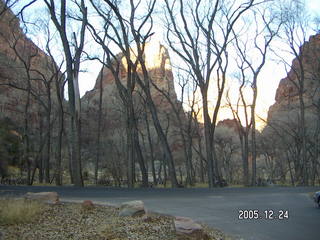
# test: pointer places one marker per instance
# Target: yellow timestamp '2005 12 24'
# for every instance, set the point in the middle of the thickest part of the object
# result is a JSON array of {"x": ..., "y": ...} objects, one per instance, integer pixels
[{"x": 267, "y": 214}]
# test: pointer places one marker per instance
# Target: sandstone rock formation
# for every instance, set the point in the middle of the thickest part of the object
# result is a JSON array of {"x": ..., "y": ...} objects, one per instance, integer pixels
[
  {"x": 28, "y": 96},
  {"x": 159, "y": 66},
  {"x": 287, "y": 95},
  {"x": 21, "y": 63},
  {"x": 113, "y": 112},
  {"x": 229, "y": 123}
]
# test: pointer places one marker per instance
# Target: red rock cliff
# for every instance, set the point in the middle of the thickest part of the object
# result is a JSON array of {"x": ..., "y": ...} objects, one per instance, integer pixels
[
  {"x": 20, "y": 60},
  {"x": 159, "y": 67},
  {"x": 287, "y": 95}
]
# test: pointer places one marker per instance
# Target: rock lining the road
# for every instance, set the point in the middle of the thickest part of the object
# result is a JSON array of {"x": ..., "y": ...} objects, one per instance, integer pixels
[
  {"x": 132, "y": 209},
  {"x": 87, "y": 220},
  {"x": 73, "y": 221},
  {"x": 187, "y": 229}
]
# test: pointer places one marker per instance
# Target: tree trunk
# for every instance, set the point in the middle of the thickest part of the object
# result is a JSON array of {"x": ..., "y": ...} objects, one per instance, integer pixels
[
  {"x": 243, "y": 136},
  {"x": 26, "y": 146},
  {"x": 76, "y": 133},
  {"x": 208, "y": 143},
  {"x": 165, "y": 174},
  {"x": 58, "y": 169},
  {"x": 75, "y": 149},
  {"x": 253, "y": 137},
  {"x": 40, "y": 162},
  {"x": 75, "y": 138},
  {"x": 305, "y": 162},
  {"x": 245, "y": 159},
  {"x": 163, "y": 140},
  {"x": 140, "y": 158},
  {"x": 69, "y": 149},
  {"x": 130, "y": 149},
  {"x": 155, "y": 182},
  {"x": 96, "y": 169},
  {"x": 72, "y": 70},
  {"x": 47, "y": 149}
]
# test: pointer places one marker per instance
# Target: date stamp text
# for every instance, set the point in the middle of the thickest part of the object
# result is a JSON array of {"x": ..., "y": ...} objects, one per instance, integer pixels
[{"x": 268, "y": 214}]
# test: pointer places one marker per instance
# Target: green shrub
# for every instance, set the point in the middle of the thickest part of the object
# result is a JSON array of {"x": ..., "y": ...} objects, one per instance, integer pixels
[{"x": 17, "y": 211}]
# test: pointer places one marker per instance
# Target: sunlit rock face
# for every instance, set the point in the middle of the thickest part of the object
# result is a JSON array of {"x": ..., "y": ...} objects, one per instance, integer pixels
[
  {"x": 15, "y": 65},
  {"x": 159, "y": 68},
  {"x": 286, "y": 107},
  {"x": 310, "y": 54},
  {"x": 113, "y": 111}
]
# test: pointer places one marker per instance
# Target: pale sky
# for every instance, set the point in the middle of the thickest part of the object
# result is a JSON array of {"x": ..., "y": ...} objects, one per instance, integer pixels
[{"x": 269, "y": 79}]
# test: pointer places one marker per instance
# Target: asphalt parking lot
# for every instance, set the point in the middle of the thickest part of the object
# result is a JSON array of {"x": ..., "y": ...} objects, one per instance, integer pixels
[{"x": 294, "y": 215}]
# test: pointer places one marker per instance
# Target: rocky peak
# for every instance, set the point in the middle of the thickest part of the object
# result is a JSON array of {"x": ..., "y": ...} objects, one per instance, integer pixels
[
  {"x": 160, "y": 72},
  {"x": 229, "y": 123},
  {"x": 158, "y": 63},
  {"x": 159, "y": 68}
]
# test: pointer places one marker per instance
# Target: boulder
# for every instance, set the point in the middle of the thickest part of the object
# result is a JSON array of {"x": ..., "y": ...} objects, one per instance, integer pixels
[
  {"x": 87, "y": 205},
  {"x": 147, "y": 218},
  {"x": 132, "y": 209},
  {"x": 47, "y": 197},
  {"x": 187, "y": 229}
]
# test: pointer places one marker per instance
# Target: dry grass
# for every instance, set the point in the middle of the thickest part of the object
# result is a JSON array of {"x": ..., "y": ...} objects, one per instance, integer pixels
[{"x": 18, "y": 211}]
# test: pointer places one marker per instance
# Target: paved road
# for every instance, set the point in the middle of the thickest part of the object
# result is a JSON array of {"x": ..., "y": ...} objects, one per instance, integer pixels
[{"x": 217, "y": 207}]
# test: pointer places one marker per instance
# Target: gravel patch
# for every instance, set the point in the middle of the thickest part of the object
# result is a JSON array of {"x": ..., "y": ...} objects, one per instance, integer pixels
[{"x": 72, "y": 221}]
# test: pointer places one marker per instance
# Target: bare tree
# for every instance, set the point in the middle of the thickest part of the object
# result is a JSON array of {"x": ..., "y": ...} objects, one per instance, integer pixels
[
  {"x": 9, "y": 4},
  {"x": 73, "y": 49},
  {"x": 283, "y": 131},
  {"x": 57, "y": 78},
  {"x": 252, "y": 55},
  {"x": 295, "y": 25},
  {"x": 227, "y": 146},
  {"x": 114, "y": 64},
  {"x": 144, "y": 81},
  {"x": 185, "y": 121},
  {"x": 151, "y": 145},
  {"x": 243, "y": 125},
  {"x": 201, "y": 41},
  {"x": 130, "y": 34},
  {"x": 31, "y": 82},
  {"x": 98, "y": 143}
]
